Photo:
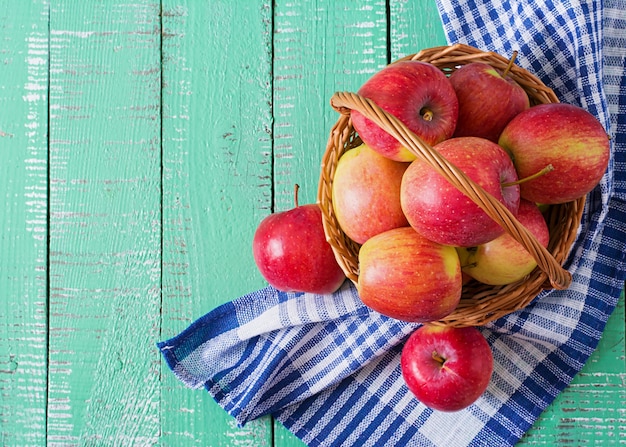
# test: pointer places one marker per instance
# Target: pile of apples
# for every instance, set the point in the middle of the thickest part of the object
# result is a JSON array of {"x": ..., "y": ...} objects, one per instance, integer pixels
[
  {"x": 420, "y": 234},
  {"x": 421, "y": 239}
]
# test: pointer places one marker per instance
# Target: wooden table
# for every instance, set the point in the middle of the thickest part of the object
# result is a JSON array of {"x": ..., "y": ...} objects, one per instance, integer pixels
[{"x": 141, "y": 142}]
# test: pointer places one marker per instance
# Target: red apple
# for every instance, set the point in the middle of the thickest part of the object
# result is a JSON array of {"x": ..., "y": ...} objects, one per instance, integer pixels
[
  {"x": 419, "y": 95},
  {"x": 441, "y": 212},
  {"x": 488, "y": 100},
  {"x": 504, "y": 260},
  {"x": 405, "y": 276},
  {"x": 366, "y": 193},
  {"x": 447, "y": 368},
  {"x": 291, "y": 251},
  {"x": 569, "y": 138}
]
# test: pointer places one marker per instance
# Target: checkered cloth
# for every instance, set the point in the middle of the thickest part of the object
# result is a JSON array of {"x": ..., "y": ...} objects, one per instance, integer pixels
[{"x": 328, "y": 368}]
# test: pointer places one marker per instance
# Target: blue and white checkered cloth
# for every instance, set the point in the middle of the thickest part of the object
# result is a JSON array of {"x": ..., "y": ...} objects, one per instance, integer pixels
[{"x": 328, "y": 368}]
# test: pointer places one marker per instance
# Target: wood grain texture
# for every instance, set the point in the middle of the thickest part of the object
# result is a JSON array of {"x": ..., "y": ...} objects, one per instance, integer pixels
[
  {"x": 319, "y": 48},
  {"x": 23, "y": 223},
  {"x": 141, "y": 142},
  {"x": 217, "y": 171},
  {"x": 413, "y": 26},
  {"x": 105, "y": 235}
]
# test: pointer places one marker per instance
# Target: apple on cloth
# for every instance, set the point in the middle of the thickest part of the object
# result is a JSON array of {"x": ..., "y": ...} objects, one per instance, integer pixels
[
  {"x": 447, "y": 368},
  {"x": 328, "y": 367}
]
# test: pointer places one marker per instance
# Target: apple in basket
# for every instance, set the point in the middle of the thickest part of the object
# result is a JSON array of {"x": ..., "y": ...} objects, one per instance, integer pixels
[
  {"x": 416, "y": 93},
  {"x": 488, "y": 100},
  {"x": 405, "y": 276},
  {"x": 447, "y": 368},
  {"x": 564, "y": 135},
  {"x": 504, "y": 260},
  {"x": 444, "y": 214},
  {"x": 366, "y": 193},
  {"x": 291, "y": 251}
]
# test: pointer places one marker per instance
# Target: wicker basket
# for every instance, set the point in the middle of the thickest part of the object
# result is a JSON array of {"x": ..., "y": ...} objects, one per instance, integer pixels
[{"x": 479, "y": 303}]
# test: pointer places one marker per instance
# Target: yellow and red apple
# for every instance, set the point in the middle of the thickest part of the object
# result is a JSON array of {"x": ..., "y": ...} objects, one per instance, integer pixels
[
  {"x": 405, "y": 276},
  {"x": 366, "y": 193},
  {"x": 569, "y": 138},
  {"x": 504, "y": 260}
]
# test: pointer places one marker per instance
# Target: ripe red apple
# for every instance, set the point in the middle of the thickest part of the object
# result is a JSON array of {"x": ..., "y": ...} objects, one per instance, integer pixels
[
  {"x": 447, "y": 368},
  {"x": 405, "y": 276},
  {"x": 441, "y": 212},
  {"x": 566, "y": 136},
  {"x": 488, "y": 100},
  {"x": 366, "y": 193},
  {"x": 419, "y": 95},
  {"x": 291, "y": 251},
  {"x": 504, "y": 260}
]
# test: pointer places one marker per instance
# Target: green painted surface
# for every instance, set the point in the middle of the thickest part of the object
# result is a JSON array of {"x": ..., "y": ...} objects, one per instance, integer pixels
[
  {"x": 24, "y": 56},
  {"x": 140, "y": 144},
  {"x": 216, "y": 185}
]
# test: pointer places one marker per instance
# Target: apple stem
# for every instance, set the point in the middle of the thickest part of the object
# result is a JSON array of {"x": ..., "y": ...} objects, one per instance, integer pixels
[
  {"x": 295, "y": 194},
  {"x": 544, "y": 171},
  {"x": 426, "y": 114},
  {"x": 438, "y": 358},
  {"x": 511, "y": 62}
]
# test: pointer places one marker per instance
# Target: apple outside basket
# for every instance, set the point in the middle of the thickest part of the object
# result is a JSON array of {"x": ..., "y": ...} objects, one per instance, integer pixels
[{"x": 480, "y": 303}]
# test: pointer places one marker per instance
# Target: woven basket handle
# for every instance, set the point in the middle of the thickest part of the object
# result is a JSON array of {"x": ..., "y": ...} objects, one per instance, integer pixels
[{"x": 344, "y": 102}]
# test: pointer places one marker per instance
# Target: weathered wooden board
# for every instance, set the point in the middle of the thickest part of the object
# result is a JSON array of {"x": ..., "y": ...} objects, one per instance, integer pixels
[
  {"x": 104, "y": 223},
  {"x": 319, "y": 48},
  {"x": 23, "y": 222},
  {"x": 217, "y": 174}
]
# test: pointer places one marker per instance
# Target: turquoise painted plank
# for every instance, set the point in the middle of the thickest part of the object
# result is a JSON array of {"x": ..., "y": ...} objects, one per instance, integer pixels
[
  {"x": 23, "y": 227},
  {"x": 414, "y": 26},
  {"x": 319, "y": 48},
  {"x": 105, "y": 223},
  {"x": 217, "y": 168}
]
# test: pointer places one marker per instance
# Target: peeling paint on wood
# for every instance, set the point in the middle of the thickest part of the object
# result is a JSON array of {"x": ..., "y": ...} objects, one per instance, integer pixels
[
  {"x": 216, "y": 170},
  {"x": 23, "y": 226},
  {"x": 141, "y": 142},
  {"x": 104, "y": 262}
]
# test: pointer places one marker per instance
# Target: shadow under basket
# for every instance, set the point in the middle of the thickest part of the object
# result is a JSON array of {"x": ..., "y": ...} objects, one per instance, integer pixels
[{"x": 480, "y": 303}]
